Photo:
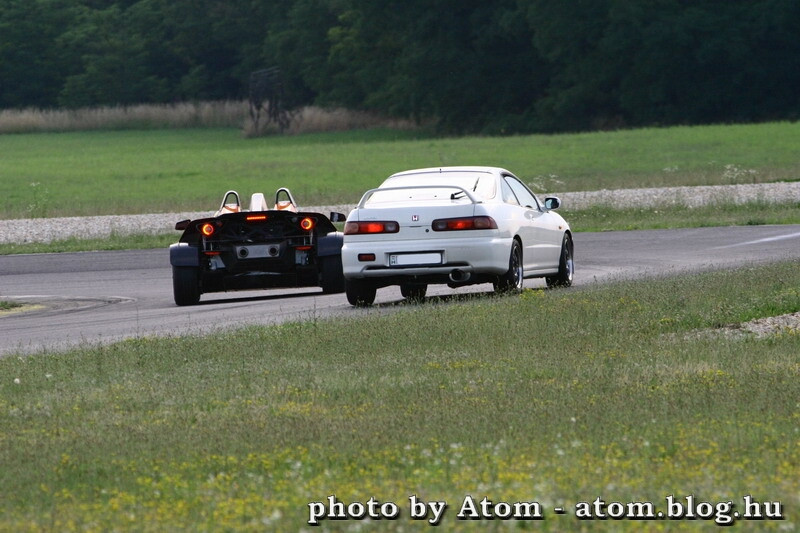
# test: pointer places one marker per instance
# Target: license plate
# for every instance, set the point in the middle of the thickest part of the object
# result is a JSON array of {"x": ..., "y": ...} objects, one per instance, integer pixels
[{"x": 415, "y": 259}]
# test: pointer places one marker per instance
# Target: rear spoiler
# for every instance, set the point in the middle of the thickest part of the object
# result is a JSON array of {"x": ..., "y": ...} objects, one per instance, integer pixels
[{"x": 369, "y": 193}]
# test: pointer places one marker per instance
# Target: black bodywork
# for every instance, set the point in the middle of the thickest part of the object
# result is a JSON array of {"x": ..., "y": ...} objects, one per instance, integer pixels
[{"x": 256, "y": 250}]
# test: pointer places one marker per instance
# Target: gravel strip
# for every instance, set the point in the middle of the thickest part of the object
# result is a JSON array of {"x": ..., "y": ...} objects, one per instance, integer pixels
[
  {"x": 697, "y": 196},
  {"x": 39, "y": 230},
  {"x": 42, "y": 230},
  {"x": 34, "y": 230}
]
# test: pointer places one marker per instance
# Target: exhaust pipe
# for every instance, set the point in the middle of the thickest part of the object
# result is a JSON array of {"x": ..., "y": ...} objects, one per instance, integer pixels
[{"x": 458, "y": 276}]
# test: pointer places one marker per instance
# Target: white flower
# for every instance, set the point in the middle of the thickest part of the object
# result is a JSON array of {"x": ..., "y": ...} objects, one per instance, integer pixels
[{"x": 17, "y": 381}]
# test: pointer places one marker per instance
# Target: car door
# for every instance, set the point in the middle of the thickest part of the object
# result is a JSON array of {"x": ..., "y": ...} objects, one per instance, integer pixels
[
  {"x": 518, "y": 222},
  {"x": 541, "y": 235}
]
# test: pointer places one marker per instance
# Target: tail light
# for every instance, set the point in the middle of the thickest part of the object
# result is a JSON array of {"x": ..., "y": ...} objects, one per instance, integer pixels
[
  {"x": 307, "y": 223},
  {"x": 464, "y": 223},
  {"x": 207, "y": 229},
  {"x": 373, "y": 226},
  {"x": 256, "y": 218}
]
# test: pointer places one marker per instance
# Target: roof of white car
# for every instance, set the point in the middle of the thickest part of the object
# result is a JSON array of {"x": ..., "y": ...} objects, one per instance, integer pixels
[
  {"x": 443, "y": 170},
  {"x": 481, "y": 182}
]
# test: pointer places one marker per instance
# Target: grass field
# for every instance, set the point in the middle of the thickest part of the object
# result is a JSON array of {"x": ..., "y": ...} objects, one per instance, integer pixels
[
  {"x": 627, "y": 392},
  {"x": 556, "y": 397},
  {"x": 119, "y": 172}
]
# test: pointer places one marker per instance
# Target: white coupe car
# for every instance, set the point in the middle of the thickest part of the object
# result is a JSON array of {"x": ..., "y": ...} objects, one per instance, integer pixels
[{"x": 456, "y": 226}]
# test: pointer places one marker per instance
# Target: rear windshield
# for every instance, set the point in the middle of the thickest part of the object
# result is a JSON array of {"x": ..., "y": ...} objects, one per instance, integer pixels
[{"x": 481, "y": 185}]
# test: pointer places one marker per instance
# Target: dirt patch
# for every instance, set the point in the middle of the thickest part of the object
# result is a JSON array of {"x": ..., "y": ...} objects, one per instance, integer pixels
[
  {"x": 20, "y": 309},
  {"x": 55, "y": 304},
  {"x": 760, "y": 328}
]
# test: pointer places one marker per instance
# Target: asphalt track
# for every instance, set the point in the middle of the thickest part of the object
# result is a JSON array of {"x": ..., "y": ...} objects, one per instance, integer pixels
[{"x": 82, "y": 299}]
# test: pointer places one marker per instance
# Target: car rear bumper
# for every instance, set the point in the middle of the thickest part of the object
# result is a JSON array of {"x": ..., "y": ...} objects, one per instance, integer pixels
[{"x": 396, "y": 259}]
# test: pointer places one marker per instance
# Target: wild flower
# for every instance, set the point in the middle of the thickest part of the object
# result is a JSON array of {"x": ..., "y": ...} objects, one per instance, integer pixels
[{"x": 736, "y": 174}]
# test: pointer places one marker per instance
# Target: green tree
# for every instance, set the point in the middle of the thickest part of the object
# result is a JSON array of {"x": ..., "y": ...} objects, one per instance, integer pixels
[
  {"x": 470, "y": 66},
  {"x": 581, "y": 89},
  {"x": 467, "y": 64},
  {"x": 621, "y": 62},
  {"x": 687, "y": 63},
  {"x": 297, "y": 42},
  {"x": 114, "y": 62},
  {"x": 32, "y": 65}
]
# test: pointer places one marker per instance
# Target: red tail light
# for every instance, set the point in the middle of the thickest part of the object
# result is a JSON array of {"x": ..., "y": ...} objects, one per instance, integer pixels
[
  {"x": 373, "y": 226},
  {"x": 307, "y": 223},
  {"x": 255, "y": 218},
  {"x": 465, "y": 223},
  {"x": 207, "y": 229}
]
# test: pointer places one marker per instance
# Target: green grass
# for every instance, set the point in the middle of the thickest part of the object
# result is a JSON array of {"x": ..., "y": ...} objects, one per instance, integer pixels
[
  {"x": 6, "y": 306},
  {"x": 119, "y": 172},
  {"x": 552, "y": 396}
]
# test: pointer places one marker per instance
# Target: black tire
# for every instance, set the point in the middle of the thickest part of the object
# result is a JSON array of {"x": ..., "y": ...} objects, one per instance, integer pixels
[
  {"x": 566, "y": 266},
  {"x": 331, "y": 275},
  {"x": 512, "y": 280},
  {"x": 360, "y": 293},
  {"x": 414, "y": 291},
  {"x": 186, "y": 285}
]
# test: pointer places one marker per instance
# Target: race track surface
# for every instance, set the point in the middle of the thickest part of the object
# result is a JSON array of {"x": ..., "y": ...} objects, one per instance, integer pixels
[{"x": 96, "y": 297}]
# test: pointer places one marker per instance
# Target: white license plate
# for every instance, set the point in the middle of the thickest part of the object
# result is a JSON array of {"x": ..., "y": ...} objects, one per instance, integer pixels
[{"x": 415, "y": 259}]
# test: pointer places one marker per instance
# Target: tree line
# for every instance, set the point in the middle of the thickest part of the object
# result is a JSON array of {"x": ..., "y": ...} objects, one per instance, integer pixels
[{"x": 503, "y": 66}]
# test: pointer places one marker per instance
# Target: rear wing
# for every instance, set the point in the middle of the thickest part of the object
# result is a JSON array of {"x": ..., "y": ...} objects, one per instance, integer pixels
[{"x": 459, "y": 190}]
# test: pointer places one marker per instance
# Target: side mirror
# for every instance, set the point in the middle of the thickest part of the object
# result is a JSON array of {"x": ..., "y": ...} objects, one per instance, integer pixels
[
  {"x": 182, "y": 225},
  {"x": 337, "y": 217},
  {"x": 552, "y": 202}
]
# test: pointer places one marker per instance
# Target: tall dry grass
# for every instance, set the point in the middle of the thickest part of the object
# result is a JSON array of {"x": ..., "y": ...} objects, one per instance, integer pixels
[
  {"x": 217, "y": 114},
  {"x": 315, "y": 119}
]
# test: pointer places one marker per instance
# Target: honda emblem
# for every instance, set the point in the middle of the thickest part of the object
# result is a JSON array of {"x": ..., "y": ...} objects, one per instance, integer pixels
[{"x": 414, "y": 218}]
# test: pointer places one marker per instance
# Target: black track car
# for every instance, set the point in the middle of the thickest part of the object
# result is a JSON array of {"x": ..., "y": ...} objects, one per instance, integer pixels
[{"x": 260, "y": 248}]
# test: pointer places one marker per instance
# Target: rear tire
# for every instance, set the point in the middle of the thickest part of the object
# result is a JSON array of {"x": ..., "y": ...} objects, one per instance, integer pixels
[
  {"x": 566, "y": 266},
  {"x": 511, "y": 281},
  {"x": 331, "y": 275},
  {"x": 360, "y": 293},
  {"x": 186, "y": 285},
  {"x": 414, "y": 291}
]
